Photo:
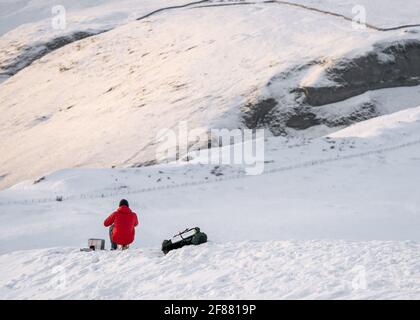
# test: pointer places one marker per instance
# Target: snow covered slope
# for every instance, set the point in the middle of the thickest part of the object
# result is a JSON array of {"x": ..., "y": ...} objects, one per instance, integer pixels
[
  {"x": 245, "y": 270},
  {"x": 358, "y": 184},
  {"x": 99, "y": 102}
]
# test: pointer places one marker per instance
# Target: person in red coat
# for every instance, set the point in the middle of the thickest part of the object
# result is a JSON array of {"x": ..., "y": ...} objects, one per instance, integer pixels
[{"x": 122, "y": 225}]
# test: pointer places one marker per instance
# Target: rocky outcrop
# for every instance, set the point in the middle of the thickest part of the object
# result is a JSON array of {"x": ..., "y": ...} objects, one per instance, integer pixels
[
  {"x": 258, "y": 114},
  {"x": 302, "y": 120},
  {"x": 287, "y": 105},
  {"x": 387, "y": 66}
]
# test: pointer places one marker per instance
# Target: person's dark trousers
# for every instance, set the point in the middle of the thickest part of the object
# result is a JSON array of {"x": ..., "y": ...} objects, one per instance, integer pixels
[{"x": 113, "y": 244}]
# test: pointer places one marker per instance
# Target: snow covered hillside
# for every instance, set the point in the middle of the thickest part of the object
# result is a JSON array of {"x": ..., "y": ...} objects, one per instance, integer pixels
[
  {"x": 100, "y": 101},
  {"x": 358, "y": 184},
  {"x": 335, "y": 213}
]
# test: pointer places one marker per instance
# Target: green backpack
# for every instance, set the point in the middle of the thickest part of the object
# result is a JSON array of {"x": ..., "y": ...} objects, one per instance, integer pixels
[{"x": 191, "y": 236}]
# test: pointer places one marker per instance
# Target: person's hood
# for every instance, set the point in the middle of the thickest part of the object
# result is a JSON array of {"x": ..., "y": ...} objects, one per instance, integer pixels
[{"x": 124, "y": 209}]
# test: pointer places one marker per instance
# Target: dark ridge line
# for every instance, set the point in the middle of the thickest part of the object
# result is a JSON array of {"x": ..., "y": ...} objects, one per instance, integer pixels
[
  {"x": 302, "y": 6},
  {"x": 338, "y": 15},
  {"x": 226, "y": 4},
  {"x": 209, "y": 4},
  {"x": 292, "y": 5},
  {"x": 171, "y": 8},
  {"x": 368, "y": 25},
  {"x": 407, "y": 26}
]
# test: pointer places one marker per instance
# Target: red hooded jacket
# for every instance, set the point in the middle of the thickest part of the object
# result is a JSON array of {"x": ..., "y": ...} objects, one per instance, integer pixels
[{"x": 124, "y": 221}]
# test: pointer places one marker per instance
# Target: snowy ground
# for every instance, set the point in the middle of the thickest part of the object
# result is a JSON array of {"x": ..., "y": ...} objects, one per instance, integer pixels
[{"x": 242, "y": 270}]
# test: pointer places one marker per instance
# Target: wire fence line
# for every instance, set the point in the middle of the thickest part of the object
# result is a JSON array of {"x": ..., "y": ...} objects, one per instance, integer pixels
[
  {"x": 172, "y": 8},
  {"x": 207, "y": 4},
  {"x": 339, "y": 15},
  {"x": 125, "y": 192},
  {"x": 210, "y": 3}
]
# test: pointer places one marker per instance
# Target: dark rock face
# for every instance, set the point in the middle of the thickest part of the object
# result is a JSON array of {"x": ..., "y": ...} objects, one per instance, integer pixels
[
  {"x": 388, "y": 66},
  {"x": 31, "y": 53},
  {"x": 302, "y": 121},
  {"x": 365, "y": 112},
  {"x": 257, "y": 115}
]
